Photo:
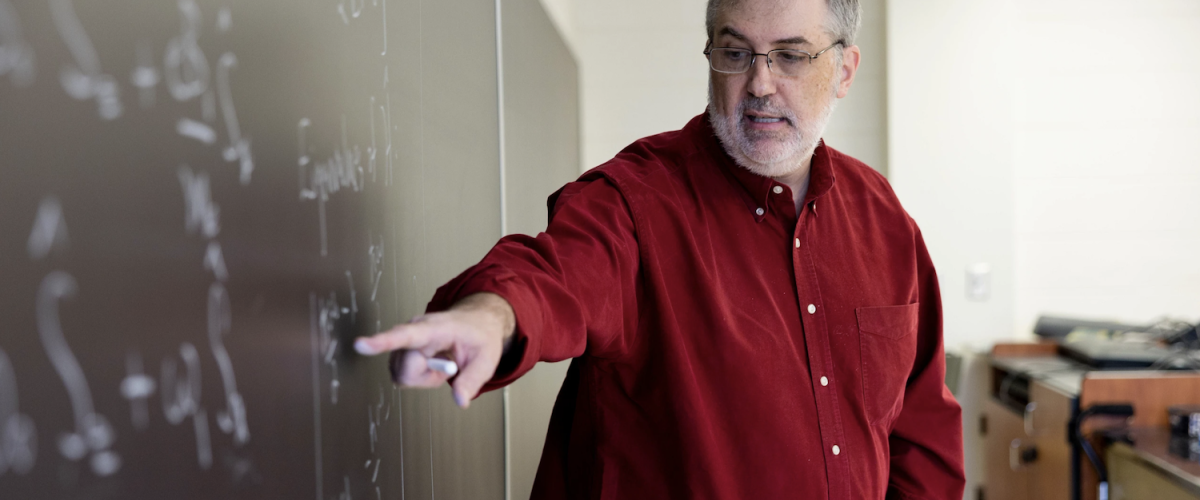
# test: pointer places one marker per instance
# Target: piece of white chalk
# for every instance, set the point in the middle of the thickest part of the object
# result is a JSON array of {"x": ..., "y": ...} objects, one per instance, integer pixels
[{"x": 446, "y": 366}]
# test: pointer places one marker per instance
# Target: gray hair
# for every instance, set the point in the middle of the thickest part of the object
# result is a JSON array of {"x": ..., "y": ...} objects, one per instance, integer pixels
[{"x": 845, "y": 17}]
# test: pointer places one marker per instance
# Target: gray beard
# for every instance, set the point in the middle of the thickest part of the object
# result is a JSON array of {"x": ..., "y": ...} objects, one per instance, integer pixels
[{"x": 794, "y": 146}]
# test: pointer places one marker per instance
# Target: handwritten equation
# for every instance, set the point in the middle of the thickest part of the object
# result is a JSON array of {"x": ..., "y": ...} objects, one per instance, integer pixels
[
  {"x": 185, "y": 72},
  {"x": 190, "y": 388}
]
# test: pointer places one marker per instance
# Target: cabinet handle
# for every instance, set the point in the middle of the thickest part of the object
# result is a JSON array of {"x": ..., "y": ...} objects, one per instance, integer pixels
[
  {"x": 1028, "y": 418},
  {"x": 1018, "y": 458}
]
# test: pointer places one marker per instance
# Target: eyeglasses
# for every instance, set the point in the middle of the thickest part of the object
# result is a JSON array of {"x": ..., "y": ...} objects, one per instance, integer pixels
[{"x": 782, "y": 62}]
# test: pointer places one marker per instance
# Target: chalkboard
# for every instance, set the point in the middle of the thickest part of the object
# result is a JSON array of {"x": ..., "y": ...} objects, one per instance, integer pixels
[{"x": 202, "y": 203}]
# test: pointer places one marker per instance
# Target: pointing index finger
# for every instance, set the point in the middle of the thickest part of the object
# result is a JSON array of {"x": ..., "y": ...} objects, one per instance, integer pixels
[{"x": 408, "y": 336}]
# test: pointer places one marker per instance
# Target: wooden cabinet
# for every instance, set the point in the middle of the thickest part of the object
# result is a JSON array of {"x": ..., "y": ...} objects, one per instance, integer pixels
[
  {"x": 1048, "y": 417},
  {"x": 1027, "y": 455},
  {"x": 1034, "y": 394},
  {"x": 1005, "y": 439}
]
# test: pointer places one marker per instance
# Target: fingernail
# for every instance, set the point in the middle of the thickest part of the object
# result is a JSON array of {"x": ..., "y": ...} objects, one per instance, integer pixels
[
  {"x": 364, "y": 348},
  {"x": 460, "y": 399}
]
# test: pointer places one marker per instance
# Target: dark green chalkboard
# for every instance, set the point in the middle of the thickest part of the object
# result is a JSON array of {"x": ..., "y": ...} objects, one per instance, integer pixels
[{"x": 202, "y": 203}]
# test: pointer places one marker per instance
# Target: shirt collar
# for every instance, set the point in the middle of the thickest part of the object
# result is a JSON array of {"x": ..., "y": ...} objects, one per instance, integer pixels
[{"x": 757, "y": 188}]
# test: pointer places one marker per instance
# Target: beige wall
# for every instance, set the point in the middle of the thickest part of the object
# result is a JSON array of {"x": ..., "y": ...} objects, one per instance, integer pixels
[
  {"x": 1107, "y": 176},
  {"x": 859, "y": 127},
  {"x": 1027, "y": 135},
  {"x": 562, "y": 14},
  {"x": 950, "y": 149}
]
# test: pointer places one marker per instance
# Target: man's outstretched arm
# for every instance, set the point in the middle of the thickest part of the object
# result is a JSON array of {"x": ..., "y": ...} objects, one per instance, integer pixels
[{"x": 547, "y": 298}]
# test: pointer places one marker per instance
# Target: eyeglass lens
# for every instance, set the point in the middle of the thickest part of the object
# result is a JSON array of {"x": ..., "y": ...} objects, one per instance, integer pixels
[{"x": 782, "y": 62}]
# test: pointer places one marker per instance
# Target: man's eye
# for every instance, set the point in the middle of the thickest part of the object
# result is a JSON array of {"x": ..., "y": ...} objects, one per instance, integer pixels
[
  {"x": 789, "y": 57},
  {"x": 735, "y": 55}
]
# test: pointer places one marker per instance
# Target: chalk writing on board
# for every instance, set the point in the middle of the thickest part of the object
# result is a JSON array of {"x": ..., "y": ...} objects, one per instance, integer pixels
[
  {"x": 232, "y": 419},
  {"x": 315, "y": 339},
  {"x": 353, "y": 309},
  {"x": 354, "y": 10},
  {"x": 224, "y": 19},
  {"x": 137, "y": 387},
  {"x": 185, "y": 66},
  {"x": 187, "y": 74},
  {"x": 303, "y": 159},
  {"x": 214, "y": 261},
  {"x": 239, "y": 147},
  {"x": 327, "y": 314},
  {"x": 193, "y": 129},
  {"x": 349, "y": 10},
  {"x": 385, "y": 119},
  {"x": 181, "y": 399},
  {"x": 92, "y": 434},
  {"x": 145, "y": 76},
  {"x": 373, "y": 149},
  {"x": 18, "y": 435},
  {"x": 375, "y": 258},
  {"x": 200, "y": 212},
  {"x": 377, "y": 415},
  {"x": 345, "y": 494},
  {"x": 16, "y": 57},
  {"x": 49, "y": 229},
  {"x": 324, "y": 315},
  {"x": 83, "y": 80},
  {"x": 341, "y": 170}
]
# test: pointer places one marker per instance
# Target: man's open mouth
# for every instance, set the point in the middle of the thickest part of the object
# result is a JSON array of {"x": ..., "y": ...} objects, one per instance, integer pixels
[{"x": 766, "y": 119}]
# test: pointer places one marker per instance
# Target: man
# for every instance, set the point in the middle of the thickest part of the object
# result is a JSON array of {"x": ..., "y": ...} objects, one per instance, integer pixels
[{"x": 752, "y": 314}]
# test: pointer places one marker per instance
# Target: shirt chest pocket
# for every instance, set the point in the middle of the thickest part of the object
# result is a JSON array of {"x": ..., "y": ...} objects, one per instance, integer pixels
[{"x": 888, "y": 343}]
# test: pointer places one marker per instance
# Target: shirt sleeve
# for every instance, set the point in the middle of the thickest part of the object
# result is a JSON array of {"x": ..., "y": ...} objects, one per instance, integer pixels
[
  {"x": 926, "y": 442},
  {"x": 573, "y": 287}
]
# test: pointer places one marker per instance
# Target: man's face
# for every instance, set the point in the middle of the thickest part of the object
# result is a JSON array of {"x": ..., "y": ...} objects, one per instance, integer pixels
[{"x": 767, "y": 122}]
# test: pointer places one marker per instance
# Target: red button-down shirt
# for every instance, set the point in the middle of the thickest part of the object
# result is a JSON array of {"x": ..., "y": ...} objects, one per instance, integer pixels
[{"x": 727, "y": 347}]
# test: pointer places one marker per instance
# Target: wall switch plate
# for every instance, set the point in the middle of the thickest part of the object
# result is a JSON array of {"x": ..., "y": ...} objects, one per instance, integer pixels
[{"x": 979, "y": 282}]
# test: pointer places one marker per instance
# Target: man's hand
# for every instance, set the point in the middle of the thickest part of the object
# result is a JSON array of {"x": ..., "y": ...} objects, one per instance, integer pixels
[{"x": 474, "y": 333}]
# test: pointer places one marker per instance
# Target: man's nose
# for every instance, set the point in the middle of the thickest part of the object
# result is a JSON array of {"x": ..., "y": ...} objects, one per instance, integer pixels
[{"x": 762, "y": 80}]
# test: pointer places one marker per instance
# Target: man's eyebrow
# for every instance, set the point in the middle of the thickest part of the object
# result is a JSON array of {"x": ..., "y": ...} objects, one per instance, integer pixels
[
  {"x": 795, "y": 40},
  {"x": 733, "y": 33}
]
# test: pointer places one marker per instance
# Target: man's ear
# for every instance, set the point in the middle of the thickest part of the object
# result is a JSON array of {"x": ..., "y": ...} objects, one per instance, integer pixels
[{"x": 850, "y": 59}]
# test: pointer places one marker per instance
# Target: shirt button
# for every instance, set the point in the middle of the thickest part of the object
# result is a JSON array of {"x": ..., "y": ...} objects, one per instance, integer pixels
[
  {"x": 812, "y": 309},
  {"x": 777, "y": 189},
  {"x": 824, "y": 381},
  {"x": 797, "y": 242},
  {"x": 836, "y": 450},
  {"x": 759, "y": 211}
]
